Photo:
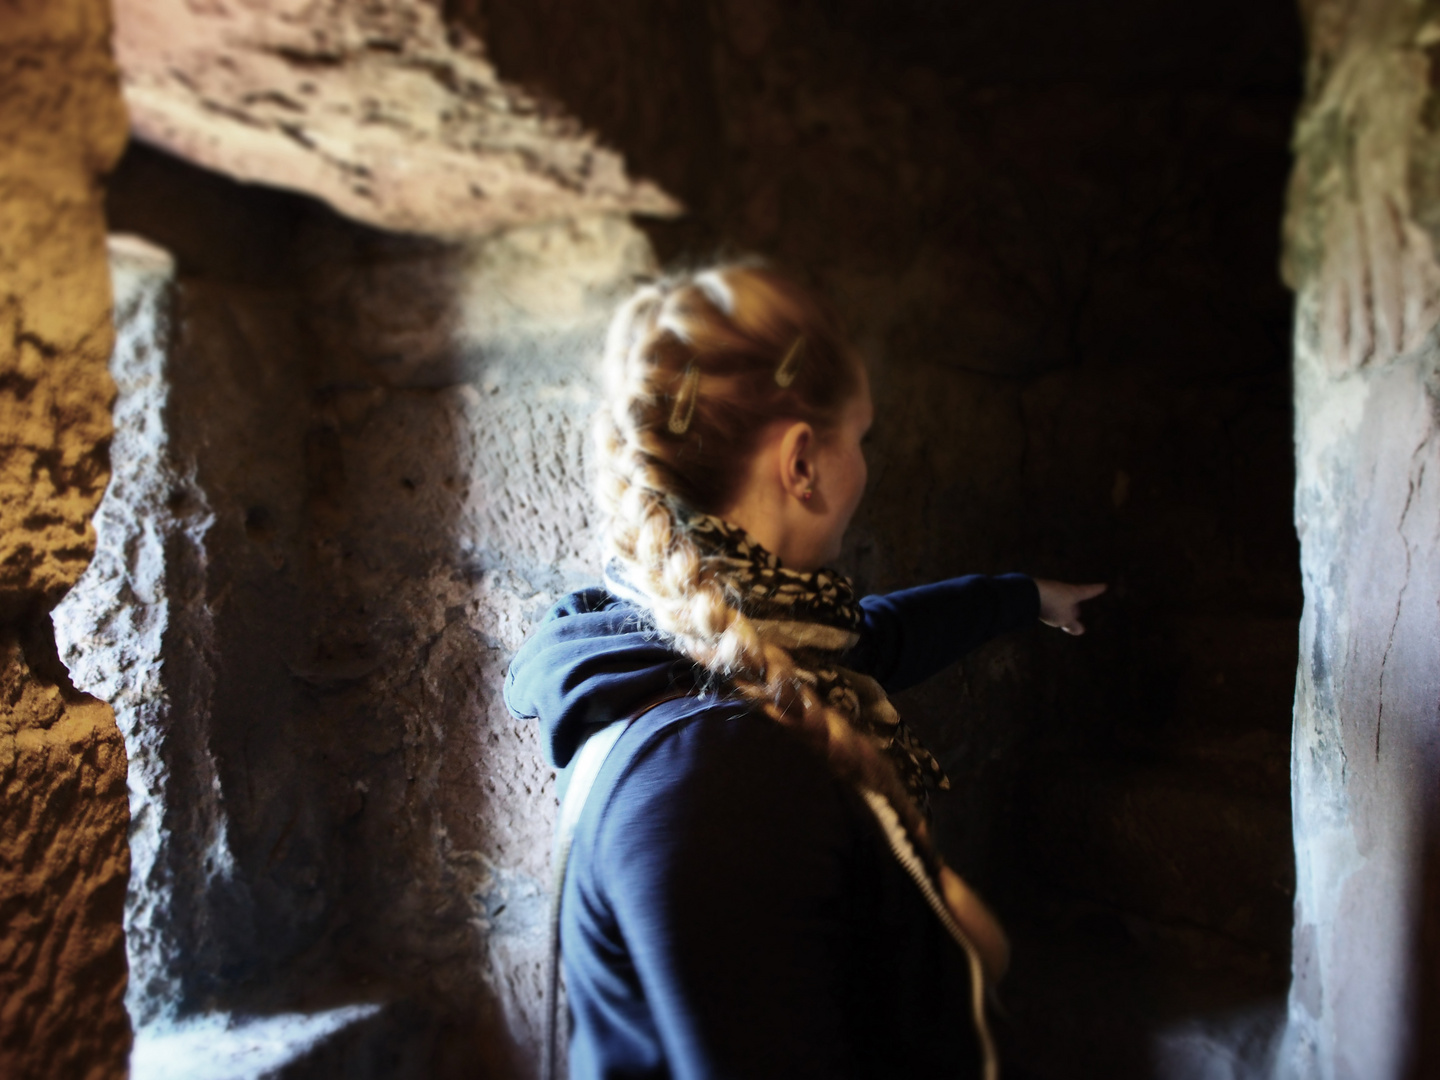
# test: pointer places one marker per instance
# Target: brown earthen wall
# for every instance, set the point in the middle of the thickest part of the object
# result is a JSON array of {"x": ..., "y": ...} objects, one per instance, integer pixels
[{"x": 63, "y": 857}]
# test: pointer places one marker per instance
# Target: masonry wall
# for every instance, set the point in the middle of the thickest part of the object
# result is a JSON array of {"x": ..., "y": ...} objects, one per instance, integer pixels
[{"x": 63, "y": 859}]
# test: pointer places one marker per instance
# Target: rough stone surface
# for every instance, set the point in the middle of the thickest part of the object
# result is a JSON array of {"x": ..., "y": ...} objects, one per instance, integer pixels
[
  {"x": 136, "y": 632},
  {"x": 378, "y": 108},
  {"x": 348, "y": 479},
  {"x": 62, "y": 767},
  {"x": 59, "y": 132},
  {"x": 1361, "y": 238}
]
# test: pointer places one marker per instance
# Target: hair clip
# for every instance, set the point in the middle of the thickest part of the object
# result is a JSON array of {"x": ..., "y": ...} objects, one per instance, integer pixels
[
  {"x": 684, "y": 409},
  {"x": 785, "y": 373}
]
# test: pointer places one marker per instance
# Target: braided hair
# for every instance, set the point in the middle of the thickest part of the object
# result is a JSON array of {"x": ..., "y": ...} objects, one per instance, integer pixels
[{"x": 690, "y": 385}]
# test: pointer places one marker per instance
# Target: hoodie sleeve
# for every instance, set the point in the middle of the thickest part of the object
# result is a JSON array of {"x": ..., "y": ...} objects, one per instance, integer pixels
[{"x": 907, "y": 636}]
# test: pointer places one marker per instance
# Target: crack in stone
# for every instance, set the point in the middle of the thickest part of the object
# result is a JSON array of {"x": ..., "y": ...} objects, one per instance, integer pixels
[
  {"x": 49, "y": 350},
  {"x": 1415, "y": 482}
]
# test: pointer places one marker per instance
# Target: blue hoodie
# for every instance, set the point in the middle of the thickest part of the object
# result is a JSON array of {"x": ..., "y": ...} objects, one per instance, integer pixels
[{"x": 732, "y": 908}]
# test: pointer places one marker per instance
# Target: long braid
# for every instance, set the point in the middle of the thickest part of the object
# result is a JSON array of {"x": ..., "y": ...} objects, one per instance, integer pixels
[{"x": 646, "y": 475}]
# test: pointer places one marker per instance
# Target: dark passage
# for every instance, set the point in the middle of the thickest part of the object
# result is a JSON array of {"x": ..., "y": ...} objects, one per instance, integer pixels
[{"x": 1055, "y": 228}]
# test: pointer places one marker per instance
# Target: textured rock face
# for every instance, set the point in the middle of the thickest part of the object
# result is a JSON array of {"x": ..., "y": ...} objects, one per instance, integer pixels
[
  {"x": 135, "y": 632},
  {"x": 348, "y": 479},
  {"x": 56, "y": 293},
  {"x": 1361, "y": 253},
  {"x": 378, "y": 108},
  {"x": 62, "y": 767}
]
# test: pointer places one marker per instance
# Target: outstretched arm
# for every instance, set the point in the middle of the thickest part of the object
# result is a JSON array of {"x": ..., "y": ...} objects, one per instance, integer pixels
[{"x": 907, "y": 636}]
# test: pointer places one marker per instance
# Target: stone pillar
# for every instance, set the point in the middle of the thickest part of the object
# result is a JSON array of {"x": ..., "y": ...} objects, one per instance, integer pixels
[
  {"x": 136, "y": 632},
  {"x": 338, "y": 505},
  {"x": 63, "y": 858},
  {"x": 1360, "y": 253}
]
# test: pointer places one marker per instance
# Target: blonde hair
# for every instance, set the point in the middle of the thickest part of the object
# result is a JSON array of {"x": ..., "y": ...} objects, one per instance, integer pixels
[{"x": 705, "y": 349}]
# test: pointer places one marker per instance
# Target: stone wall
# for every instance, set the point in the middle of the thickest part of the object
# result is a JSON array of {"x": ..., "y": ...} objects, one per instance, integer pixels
[
  {"x": 63, "y": 860},
  {"x": 350, "y": 475},
  {"x": 348, "y": 478},
  {"x": 1360, "y": 251}
]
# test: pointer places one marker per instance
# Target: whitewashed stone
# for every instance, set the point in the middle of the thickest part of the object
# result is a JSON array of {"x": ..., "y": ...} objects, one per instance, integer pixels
[{"x": 1366, "y": 751}]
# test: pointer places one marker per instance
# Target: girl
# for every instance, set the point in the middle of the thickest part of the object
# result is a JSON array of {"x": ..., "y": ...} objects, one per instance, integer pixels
[{"x": 752, "y": 890}]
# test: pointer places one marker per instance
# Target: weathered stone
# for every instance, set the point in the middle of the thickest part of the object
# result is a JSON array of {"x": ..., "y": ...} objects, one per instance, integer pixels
[
  {"x": 63, "y": 868},
  {"x": 451, "y": 514},
  {"x": 380, "y": 109},
  {"x": 220, "y": 1048},
  {"x": 1361, "y": 255},
  {"x": 342, "y": 496},
  {"x": 136, "y": 632},
  {"x": 62, "y": 125},
  {"x": 63, "y": 861}
]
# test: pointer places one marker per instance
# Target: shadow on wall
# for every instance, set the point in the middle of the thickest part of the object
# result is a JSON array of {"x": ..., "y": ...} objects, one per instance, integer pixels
[
  {"x": 348, "y": 478},
  {"x": 1426, "y": 1020}
]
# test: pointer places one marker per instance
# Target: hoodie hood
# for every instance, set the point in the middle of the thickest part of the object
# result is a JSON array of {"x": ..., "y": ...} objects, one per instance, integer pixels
[{"x": 593, "y": 659}]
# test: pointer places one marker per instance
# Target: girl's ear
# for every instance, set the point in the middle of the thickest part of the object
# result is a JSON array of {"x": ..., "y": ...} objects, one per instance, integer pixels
[{"x": 797, "y": 458}]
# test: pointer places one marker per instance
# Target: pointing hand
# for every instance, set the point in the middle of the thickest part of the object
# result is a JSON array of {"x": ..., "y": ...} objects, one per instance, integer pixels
[{"x": 1060, "y": 603}]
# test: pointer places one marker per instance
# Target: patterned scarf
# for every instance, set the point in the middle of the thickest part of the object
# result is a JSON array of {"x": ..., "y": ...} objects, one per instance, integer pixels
[{"x": 815, "y": 617}]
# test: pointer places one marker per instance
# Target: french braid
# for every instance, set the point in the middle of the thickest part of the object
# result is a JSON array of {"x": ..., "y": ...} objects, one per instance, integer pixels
[{"x": 734, "y": 324}]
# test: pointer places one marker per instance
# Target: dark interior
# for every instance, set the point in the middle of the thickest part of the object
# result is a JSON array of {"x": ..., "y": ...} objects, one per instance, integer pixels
[{"x": 1054, "y": 227}]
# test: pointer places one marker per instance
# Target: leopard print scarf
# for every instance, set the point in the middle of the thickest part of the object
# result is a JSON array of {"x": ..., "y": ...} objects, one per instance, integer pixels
[{"x": 814, "y": 616}]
